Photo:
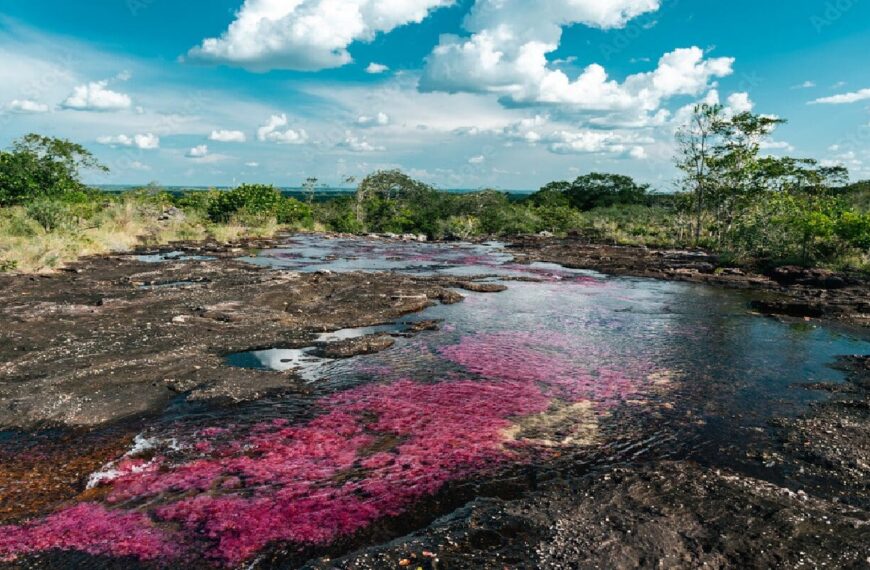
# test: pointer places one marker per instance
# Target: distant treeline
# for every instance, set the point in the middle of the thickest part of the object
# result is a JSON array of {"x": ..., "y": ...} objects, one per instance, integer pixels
[{"x": 748, "y": 207}]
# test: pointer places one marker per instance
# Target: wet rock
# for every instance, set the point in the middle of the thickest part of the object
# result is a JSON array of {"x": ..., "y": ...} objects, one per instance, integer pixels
[
  {"x": 100, "y": 349},
  {"x": 790, "y": 291},
  {"x": 789, "y": 308},
  {"x": 478, "y": 287},
  {"x": 420, "y": 326},
  {"x": 818, "y": 278},
  {"x": 355, "y": 346}
]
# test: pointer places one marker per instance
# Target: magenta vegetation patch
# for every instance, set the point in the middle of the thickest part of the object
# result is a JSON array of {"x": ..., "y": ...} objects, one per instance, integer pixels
[{"x": 372, "y": 453}]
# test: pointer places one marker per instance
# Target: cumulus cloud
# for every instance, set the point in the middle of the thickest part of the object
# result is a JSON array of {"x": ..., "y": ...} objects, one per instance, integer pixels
[
  {"x": 227, "y": 136},
  {"x": 588, "y": 141},
  {"x": 355, "y": 144},
  {"x": 147, "y": 141},
  {"x": 199, "y": 151},
  {"x": 27, "y": 106},
  {"x": 510, "y": 40},
  {"x": 96, "y": 96},
  {"x": 376, "y": 68},
  {"x": 845, "y": 98},
  {"x": 273, "y": 131},
  {"x": 740, "y": 103},
  {"x": 380, "y": 120},
  {"x": 306, "y": 35}
]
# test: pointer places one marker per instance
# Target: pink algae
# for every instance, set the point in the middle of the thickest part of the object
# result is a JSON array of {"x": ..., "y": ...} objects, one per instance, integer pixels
[
  {"x": 90, "y": 528},
  {"x": 374, "y": 452}
]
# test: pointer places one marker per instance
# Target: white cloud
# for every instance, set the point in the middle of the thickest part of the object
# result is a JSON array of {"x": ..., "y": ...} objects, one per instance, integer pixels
[
  {"x": 355, "y": 144},
  {"x": 805, "y": 85},
  {"x": 776, "y": 145},
  {"x": 506, "y": 54},
  {"x": 136, "y": 165},
  {"x": 592, "y": 141},
  {"x": 376, "y": 68},
  {"x": 381, "y": 119},
  {"x": 27, "y": 106},
  {"x": 252, "y": 164},
  {"x": 146, "y": 141},
  {"x": 199, "y": 151},
  {"x": 306, "y": 35},
  {"x": 271, "y": 132},
  {"x": 227, "y": 136},
  {"x": 740, "y": 103},
  {"x": 845, "y": 98},
  {"x": 479, "y": 159},
  {"x": 95, "y": 96}
]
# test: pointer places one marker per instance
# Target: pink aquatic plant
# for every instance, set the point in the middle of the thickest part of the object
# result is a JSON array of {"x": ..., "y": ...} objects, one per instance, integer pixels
[{"x": 373, "y": 452}]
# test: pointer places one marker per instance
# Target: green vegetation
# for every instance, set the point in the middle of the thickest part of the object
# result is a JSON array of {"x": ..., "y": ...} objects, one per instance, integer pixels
[{"x": 752, "y": 209}]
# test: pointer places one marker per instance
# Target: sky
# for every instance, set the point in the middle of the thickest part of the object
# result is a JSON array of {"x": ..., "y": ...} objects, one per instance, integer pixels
[{"x": 507, "y": 94}]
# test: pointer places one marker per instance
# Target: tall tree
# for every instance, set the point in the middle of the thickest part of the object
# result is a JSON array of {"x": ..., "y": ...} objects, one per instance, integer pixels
[
  {"x": 695, "y": 144},
  {"x": 38, "y": 166}
]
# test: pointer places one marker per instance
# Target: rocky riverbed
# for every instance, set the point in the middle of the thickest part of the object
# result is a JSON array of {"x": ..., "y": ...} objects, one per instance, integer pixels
[
  {"x": 789, "y": 291},
  {"x": 584, "y": 441},
  {"x": 121, "y": 336}
]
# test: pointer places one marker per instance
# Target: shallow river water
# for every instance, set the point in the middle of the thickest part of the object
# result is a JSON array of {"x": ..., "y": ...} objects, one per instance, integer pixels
[{"x": 564, "y": 363}]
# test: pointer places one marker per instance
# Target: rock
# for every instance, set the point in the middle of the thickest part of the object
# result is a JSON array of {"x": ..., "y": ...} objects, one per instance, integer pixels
[
  {"x": 794, "y": 308},
  {"x": 355, "y": 346},
  {"x": 481, "y": 287},
  {"x": 171, "y": 213},
  {"x": 420, "y": 326}
]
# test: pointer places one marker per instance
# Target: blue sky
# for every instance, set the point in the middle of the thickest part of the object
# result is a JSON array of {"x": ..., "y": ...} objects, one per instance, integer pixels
[{"x": 464, "y": 94}]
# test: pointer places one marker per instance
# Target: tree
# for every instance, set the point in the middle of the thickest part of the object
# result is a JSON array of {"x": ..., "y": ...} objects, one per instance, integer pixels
[
  {"x": 379, "y": 194},
  {"x": 695, "y": 142},
  {"x": 594, "y": 190},
  {"x": 597, "y": 190},
  {"x": 309, "y": 188},
  {"x": 43, "y": 167}
]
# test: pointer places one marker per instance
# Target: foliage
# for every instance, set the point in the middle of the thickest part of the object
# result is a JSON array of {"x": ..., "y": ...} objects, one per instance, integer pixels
[
  {"x": 42, "y": 167},
  {"x": 253, "y": 198},
  {"x": 594, "y": 190}
]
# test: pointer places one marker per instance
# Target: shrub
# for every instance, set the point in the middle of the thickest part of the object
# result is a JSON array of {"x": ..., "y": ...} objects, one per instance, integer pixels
[
  {"x": 48, "y": 213},
  {"x": 254, "y": 198}
]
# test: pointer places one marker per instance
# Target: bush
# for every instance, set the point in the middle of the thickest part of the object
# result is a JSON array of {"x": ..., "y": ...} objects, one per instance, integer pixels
[
  {"x": 50, "y": 214},
  {"x": 254, "y": 198},
  {"x": 458, "y": 227},
  {"x": 292, "y": 211}
]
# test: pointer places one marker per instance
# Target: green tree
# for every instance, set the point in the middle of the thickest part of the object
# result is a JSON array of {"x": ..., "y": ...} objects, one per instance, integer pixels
[
  {"x": 43, "y": 167},
  {"x": 695, "y": 151},
  {"x": 597, "y": 190}
]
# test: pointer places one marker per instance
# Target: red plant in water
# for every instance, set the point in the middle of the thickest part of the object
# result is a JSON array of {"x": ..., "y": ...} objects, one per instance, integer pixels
[{"x": 375, "y": 451}]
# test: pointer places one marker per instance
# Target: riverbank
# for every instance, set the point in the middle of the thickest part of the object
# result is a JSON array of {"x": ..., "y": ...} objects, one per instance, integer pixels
[
  {"x": 120, "y": 336},
  {"x": 788, "y": 291}
]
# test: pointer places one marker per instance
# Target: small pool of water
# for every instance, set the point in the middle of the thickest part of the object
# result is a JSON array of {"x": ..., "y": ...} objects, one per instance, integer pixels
[
  {"x": 172, "y": 256},
  {"x": 302, "y": 361}
]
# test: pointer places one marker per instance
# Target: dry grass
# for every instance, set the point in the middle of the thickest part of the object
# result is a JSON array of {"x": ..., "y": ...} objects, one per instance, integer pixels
[{"x": 26, "y": 247}]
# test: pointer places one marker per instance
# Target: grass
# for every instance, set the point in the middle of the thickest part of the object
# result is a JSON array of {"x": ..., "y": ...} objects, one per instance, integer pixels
[{"x": 26, "y": 246}]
